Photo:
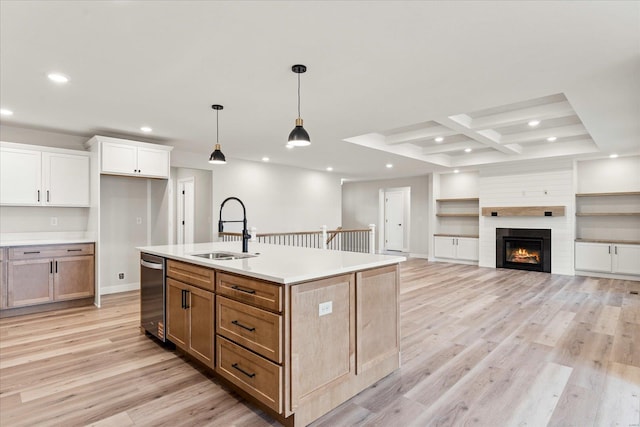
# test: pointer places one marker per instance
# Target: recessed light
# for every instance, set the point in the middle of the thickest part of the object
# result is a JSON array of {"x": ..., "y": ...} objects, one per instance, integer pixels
[
  {"x": 6, "y": 112},
  {"x": 533, "y": 123},
  {"x": 329, "y": 168},
  {"x": 468, "y": 150},
  {"x": 58, "y": 78},
  {"x": 146, "y": 129},
  {"x": 456, "y": 171},
  {"x": 613, "y": 156},
  {"x": 265, "y": 159},
  {"x": 552, "y": 138},
  {"x": 389, "y": 165},
  {"x": 439, "y": 139}
]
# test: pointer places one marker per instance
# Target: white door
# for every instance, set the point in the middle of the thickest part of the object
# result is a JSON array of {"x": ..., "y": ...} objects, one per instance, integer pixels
[
  {"x": 467, "y": 248},
  {"x": 152, "y": 162},
  {"x": 394, "y": 220},
  {"x": 20, "y": 177},
  {"x": 593, "y": 257},
  {"x": 186, "y": 210},
  {"x": 626, "y": 259},
  {"x": 66, "y": 179},
  {"x": 119, "y": 158},
  {"x": 444, "y": 247}
]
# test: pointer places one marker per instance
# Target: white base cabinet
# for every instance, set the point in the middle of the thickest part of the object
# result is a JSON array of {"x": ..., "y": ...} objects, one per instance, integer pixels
[
  {"x": 457, "y": 248},
  {"x": 608, "y": 257}
]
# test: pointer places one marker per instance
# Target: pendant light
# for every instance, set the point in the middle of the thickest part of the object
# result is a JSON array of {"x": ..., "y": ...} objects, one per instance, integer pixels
[
  {"x": 299, "y": 136},
  {"x": 217, "y": 158}
]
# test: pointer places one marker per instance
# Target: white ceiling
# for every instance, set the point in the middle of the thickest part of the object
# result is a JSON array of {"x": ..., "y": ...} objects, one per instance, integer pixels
[{"x": 380, "y": 74}]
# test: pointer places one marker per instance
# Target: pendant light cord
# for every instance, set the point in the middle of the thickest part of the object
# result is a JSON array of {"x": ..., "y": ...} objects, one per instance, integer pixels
[
  {"x": 298, "y": 95},
  {"x": 217, "y": 127}
]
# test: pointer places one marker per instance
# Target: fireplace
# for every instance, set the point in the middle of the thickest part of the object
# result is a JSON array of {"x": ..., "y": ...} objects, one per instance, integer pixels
[{"x": 523, "y": 249}]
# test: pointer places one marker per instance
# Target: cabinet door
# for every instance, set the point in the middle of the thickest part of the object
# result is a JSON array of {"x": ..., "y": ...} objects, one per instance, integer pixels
[
  {"x": 201, "y": 324},
  {"x": 467, "y": 248},
  {"x": 30, "y": 282},
  {"x": 119, "y": 158},
  {"x": 177, "y": 314},
  {"x": 66, "y": 179},
  {"x": 444, "y": 247},
  {"x": 73, "y": 277},
  {"x": 152, "y": 162},
  {"x": 626, "y": 259},
  {"x": 593, "y": 257},
  {"x": 20, "y": 177}
]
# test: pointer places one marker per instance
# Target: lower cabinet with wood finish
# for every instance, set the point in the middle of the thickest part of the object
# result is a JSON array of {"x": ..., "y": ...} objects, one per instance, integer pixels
[{"x": 37, "y": 275}]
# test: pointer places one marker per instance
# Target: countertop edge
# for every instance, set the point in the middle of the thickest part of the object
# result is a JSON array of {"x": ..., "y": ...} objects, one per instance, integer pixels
[{"x": 44, "y": 242}]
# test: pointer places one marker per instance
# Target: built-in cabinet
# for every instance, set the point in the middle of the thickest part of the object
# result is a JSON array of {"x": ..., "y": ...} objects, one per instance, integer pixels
[
  {"x": 456, "y": 248},
  {"x": 608, "y": 233},
  {"x": 190, "y": 309},
  {"x": 33, "y": 177},
  {"x": 46, "y": 274},
  {"x": 3, "y": 278},
  {"x": 131, "y": 158}
]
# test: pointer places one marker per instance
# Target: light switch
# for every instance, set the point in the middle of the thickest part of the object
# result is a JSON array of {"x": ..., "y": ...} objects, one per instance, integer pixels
[
  {"x": 138, "y": 220},
  {"x": 325, "y": 308}
]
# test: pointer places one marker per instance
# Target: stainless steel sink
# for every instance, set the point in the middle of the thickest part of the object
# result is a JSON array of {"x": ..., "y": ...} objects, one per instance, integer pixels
[{"x": 224, "y": 256}]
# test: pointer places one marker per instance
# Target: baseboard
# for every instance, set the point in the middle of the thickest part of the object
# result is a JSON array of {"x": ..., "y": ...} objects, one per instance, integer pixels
[
  {"x": 126, "y": 287},
  {"x": 454, "y": 261},
  {"x": 423, "y": 256},
  {"x": 607, "y": 275}
]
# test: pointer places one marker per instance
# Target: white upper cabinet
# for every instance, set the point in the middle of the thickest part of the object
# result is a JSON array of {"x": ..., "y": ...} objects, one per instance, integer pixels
[
  {"x": 33, "y": 177},
  {"x": 20, "y": 177},
  {"x": 132, "y": 158}
]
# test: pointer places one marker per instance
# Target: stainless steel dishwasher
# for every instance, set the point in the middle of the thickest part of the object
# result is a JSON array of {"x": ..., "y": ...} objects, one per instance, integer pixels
[{"x": 152, "y": 295}]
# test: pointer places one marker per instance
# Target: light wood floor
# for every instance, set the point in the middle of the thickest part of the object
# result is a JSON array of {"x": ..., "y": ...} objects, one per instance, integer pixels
[{"x": 480, "y": 347}]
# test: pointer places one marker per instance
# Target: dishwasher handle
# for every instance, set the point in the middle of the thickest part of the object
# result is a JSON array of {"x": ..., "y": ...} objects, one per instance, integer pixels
[{"x": 152, "y": 265}]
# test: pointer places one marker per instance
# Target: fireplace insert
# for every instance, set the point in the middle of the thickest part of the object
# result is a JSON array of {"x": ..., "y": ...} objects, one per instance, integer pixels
[{"x": 523, "y": 249}]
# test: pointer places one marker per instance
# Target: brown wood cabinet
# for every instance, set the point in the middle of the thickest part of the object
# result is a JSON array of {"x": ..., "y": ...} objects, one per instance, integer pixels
[
  {"x": 52, "y": 273},
  {"x": 190, "y": 310},
  {"x": 3, "y": 278}
]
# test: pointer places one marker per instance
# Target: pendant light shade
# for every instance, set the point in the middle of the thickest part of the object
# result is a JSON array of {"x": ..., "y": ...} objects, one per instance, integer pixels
[
  {"x": 217, "y": 158},
  {"x": 299, "y": 136}
]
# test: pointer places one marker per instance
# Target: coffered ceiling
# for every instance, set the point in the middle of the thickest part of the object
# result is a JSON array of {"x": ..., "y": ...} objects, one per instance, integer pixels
[{"x": 384, "y": 78}]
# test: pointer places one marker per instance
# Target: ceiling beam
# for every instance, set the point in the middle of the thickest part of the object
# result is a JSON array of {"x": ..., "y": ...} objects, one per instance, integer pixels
[
  {"x": 460, "y": 124},
  {"x": 418, "y": 135},
  {"x": 542, "y": 134},
  {"x": 516, "y": 117}
]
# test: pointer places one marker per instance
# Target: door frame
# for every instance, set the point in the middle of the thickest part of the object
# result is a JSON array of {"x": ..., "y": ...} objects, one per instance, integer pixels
[
  {"x": 180, "y": 210},
  {"x": 406, "y": 193}
]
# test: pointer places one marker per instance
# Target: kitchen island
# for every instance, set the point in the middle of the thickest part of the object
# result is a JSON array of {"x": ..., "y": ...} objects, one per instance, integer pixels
[{"x": 297, "y": 331}]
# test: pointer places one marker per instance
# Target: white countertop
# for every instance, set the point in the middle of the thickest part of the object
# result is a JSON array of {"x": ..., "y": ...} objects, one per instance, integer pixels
[
  {"x": 276, "y": 263},
  {"x": 44, "y": 238}
]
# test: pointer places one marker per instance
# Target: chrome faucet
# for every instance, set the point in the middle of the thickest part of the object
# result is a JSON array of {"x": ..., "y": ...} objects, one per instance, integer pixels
[{"x": 245, "y": 233}]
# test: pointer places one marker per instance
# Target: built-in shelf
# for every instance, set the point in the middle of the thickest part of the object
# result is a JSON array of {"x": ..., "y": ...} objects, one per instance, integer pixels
[
  {"x": 471, "y": 236},
  {"x": 621, "y": 242},
  {"x": 621, "y": 193},
  {"x": 524, "y": 211},
  {"x": 608, "y": 214},
  {"x": 459, "y": 215},
  {"x": 468, "y": 199}
]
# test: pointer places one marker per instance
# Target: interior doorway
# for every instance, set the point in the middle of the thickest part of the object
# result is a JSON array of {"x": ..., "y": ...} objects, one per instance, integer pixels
[
  {"x": 395, "y": 219},
  {"x": 185, "y": 210}
]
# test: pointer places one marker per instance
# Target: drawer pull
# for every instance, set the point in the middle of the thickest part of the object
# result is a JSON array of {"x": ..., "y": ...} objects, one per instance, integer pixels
[
  {"x": 74, "y": 250},
  {"x": 31, "y": 252},
  {"x": 250, "y": 329},
  {"x": 238, "y": 288},
  {"x": 235, "y": 365}
]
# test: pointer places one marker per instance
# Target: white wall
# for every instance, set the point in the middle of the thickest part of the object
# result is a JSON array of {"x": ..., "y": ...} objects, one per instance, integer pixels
[
  {"x": 550, "y": 187},
  {"x": 360, "y": 207},
  {"x": 203, "y": 192},
  {"x": 458, "y": 185},
  {"x": 608, "y": 175}
]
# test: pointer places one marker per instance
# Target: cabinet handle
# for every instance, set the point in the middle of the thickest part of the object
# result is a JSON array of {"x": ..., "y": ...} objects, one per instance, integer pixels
[
  {"x": 235, "y": 365},
  {"x": 186, "y": 299},
  {"x": 250, "y": 329},
  {"x": 74, "y": 250},
  {"x": 38, "y": 195},
  {"x": 31, "y": 252},
  {"x": 615, "y": 249},
  {"x": 183, "y": 303},
  {"x": 56, "y": 267},
  {"x": 47, "y": 196},
  {"x": 609, "y": 249},
  {"x": 51, "y": 267},
  {"x": 238, "y": 288}
]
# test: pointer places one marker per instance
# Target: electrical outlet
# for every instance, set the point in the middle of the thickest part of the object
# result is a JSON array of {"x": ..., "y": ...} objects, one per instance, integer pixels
[
  {"x": 325, "y": 308},
  {"x": 121, "y": 276},
  {"x": 139, "y": 220},
  {"x": 54, "y": 221}
]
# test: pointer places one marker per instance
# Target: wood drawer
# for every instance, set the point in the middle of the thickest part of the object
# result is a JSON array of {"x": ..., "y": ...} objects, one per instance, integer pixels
[
  {"x": 251, "y": 327},
  {"x": 255, "y": 375},
  {"x": 251, "y": 291},
  {"x": 195, "y": 275},
  {"x": 50, "y": 251}
]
